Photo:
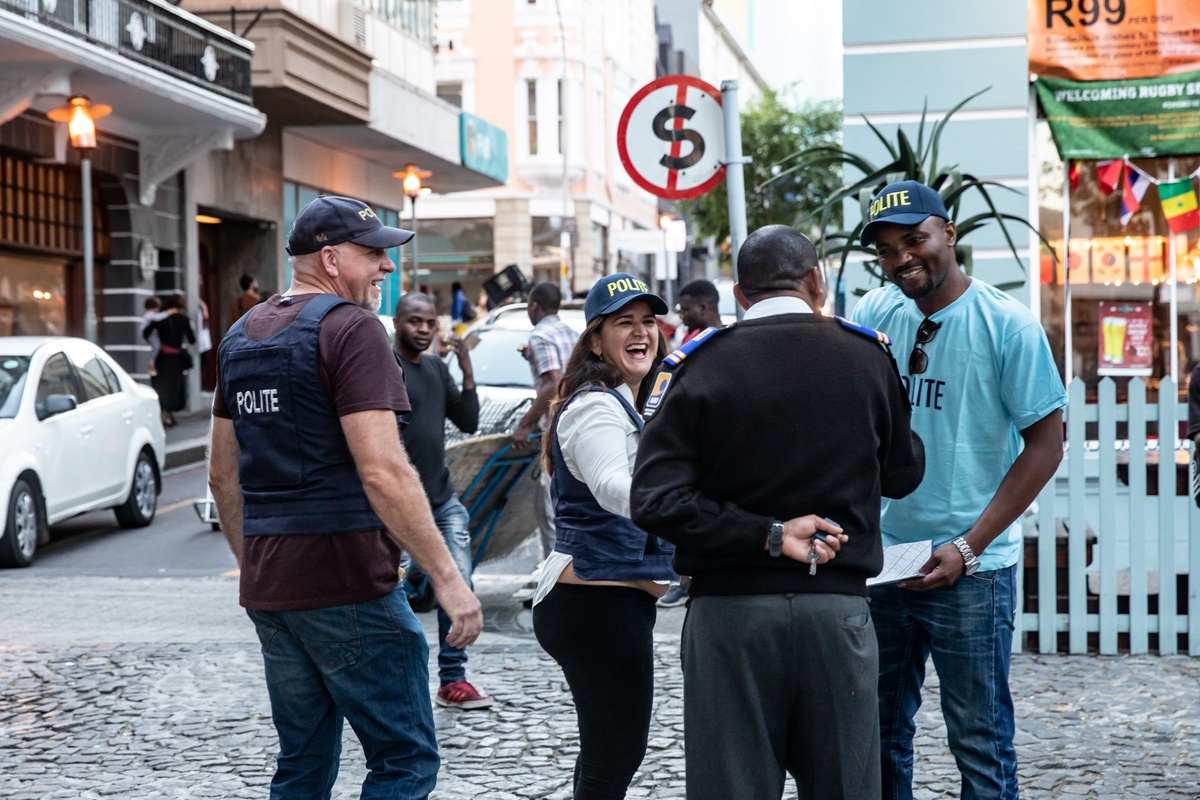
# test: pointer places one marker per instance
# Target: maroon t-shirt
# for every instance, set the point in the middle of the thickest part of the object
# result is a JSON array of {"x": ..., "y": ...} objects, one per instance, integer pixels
[{"x": 358, "y": 372}]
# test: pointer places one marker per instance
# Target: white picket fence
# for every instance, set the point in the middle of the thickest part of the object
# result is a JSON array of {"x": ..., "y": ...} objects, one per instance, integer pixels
[{"x": 1116, "y": 598}]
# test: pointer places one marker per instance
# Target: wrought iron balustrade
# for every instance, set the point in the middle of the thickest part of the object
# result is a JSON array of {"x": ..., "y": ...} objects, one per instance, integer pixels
[{"x": 151, "y": 33}]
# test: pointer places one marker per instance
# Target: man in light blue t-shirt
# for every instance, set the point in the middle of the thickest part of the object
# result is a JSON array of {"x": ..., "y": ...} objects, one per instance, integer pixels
[{"x": 982, "y": 383}]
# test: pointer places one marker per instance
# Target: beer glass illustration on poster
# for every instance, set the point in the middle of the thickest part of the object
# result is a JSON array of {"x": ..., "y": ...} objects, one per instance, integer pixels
[{"x": 1125, "y": 338}]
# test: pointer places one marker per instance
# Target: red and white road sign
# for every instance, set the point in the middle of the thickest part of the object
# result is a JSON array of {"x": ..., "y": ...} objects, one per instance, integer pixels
[{"x": 672, "y": 137}]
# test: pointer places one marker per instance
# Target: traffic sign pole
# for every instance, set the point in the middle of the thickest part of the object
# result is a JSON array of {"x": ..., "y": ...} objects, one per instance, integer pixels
[{"x": 735, "y": 185}]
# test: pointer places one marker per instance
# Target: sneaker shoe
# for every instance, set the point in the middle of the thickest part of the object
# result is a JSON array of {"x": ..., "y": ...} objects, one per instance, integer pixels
[
  {"x": 461, "y": 694},
  {"x": 677, "y": 595}
]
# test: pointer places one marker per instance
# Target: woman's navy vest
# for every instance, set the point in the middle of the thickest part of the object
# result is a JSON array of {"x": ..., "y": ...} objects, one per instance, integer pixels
[
  {"x": 603, "y": 546},
  {"x": 296, "y": 471}
]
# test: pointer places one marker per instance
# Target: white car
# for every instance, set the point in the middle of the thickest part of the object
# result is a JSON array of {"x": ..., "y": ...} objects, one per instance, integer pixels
[{"x": 77, "y": 434}]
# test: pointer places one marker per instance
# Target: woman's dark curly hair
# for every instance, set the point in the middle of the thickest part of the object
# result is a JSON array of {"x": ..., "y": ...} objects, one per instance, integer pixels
[{"x": 586, "y": 368}]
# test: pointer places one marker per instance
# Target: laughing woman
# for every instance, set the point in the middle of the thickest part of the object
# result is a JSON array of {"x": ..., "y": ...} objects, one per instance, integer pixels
[{"x": 594, "y": 608}]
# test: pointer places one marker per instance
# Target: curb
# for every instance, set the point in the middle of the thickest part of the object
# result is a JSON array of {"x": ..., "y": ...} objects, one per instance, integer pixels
[{"x": 189, "y": 451}]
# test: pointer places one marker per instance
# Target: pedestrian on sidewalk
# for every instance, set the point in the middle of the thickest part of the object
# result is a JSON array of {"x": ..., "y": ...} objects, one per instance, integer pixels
[
  {"x": 785, "y": 425},
  {"x": 435, "y": 398},
  {"x": 317, "y": 499},
  {"x": 982, "y": 383},
  {"x": 152, "y": 312},
  {"x": 247, "y": 300},
  {"x": 174, "y": 333},
  {"x": 594, "y": 611}
]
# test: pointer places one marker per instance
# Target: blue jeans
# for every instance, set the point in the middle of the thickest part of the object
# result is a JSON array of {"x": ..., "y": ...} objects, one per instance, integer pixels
[
  {"x": 968, "y": 629},
  {"x": 367, "y": 662},
  {"x": 453, "y": 521}
]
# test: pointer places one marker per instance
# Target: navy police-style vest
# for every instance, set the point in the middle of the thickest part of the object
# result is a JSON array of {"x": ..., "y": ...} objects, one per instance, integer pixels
[
  {"x": 296, "y": 471},
  {"x": 603, "y": 546}
]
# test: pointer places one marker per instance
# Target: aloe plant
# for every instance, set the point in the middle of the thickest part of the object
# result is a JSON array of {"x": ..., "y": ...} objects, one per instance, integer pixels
[{"x": 919, "y": 163}]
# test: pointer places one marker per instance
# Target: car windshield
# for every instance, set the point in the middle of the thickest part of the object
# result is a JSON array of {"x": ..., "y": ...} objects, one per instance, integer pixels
[
  {"x": 13, "y": 370},
  {"x": 496, "y": 359}
]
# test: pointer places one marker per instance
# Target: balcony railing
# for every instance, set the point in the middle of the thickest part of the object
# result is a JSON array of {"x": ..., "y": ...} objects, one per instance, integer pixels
[{"x": 150, "y": 33}]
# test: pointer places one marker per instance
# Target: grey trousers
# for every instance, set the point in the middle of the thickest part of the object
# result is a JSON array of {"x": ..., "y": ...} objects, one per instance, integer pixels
[{"x": 776, "y": 683}]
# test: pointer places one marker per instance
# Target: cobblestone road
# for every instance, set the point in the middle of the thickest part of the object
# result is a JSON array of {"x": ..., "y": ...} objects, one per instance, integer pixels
[{"x": 184, "y": 713}]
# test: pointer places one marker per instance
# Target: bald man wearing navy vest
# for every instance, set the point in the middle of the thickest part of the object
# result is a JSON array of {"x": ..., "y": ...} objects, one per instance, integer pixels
[{"x": 316, "y": 498}]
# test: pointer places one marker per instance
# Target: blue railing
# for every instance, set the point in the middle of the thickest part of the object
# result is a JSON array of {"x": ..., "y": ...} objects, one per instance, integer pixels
[{"x": 154, "y": 34}]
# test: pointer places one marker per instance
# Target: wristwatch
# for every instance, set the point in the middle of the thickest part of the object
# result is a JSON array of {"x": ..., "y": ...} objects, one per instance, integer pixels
[
  {"x": 969, "y": 560},
  {"x": 775, "y": 543}
]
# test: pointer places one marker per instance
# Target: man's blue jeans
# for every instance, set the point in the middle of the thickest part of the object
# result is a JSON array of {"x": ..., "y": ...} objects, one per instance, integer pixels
[
  {"x": 968, "y": 630},
  {"x": 453, "y": 521},
  {"x": 367, "y": 662}
]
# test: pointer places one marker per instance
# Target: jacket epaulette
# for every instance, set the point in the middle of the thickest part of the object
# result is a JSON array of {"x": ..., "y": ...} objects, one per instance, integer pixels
[
  {"x": 863, "y": 330},
  {"x": 669, "y": 365}
]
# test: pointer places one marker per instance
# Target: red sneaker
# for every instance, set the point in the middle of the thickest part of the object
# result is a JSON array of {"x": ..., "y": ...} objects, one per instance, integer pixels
[{"x": 461, "y": 694}]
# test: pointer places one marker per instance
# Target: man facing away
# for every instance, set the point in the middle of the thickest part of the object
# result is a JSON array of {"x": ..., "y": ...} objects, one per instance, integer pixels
[
  {"x": 317, "y": 498},
  {"x": 982, "y": 383},
  {"x": 435, "y": 398},
  {"x": 783, "y": 425},
  {"x": 549, "y": 347}
]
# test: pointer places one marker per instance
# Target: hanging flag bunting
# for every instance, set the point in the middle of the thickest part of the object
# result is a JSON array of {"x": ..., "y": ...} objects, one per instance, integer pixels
[
  {"x": 1108, "y": 260},
  {"x": 1073, "y": 174},
  {"x": 1109, "y": 174},
  {"x": 1179, "y": 205},
  {"x": 1145, "y": 259},
  {"x": 1136, "y": 184}
]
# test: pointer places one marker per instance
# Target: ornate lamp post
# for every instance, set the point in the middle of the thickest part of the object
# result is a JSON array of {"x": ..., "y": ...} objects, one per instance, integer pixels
[
  {"x": 80, "y": 116},
  {"x": 412, "y": 189}
]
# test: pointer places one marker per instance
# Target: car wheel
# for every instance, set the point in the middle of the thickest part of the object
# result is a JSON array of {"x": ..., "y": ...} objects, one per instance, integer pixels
[
  {"x": 22, "y": 526},
  {"x": 138, "y": 509}
]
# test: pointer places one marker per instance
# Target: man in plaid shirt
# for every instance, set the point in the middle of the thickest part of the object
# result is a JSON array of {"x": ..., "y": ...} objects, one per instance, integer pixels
[{"x": 550, "y": 345}]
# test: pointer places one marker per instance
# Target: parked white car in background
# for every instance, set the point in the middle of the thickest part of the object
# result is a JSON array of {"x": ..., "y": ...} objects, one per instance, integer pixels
[{"x": 77, "y": 434}]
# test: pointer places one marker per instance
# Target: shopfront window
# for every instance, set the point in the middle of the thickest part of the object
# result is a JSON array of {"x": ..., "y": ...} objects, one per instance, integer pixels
[
  {"x": 33, "y": 296},
  {"x": 1117, "y": 276}
]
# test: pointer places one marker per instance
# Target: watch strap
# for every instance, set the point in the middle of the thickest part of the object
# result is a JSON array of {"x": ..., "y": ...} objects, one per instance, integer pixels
[
  {"x": 970, "y": 560},
  {"x": 775, "y": 543}
]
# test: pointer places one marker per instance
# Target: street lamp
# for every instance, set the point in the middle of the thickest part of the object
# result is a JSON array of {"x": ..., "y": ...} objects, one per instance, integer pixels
[
  {"x": 412, "y": 189},
  {"x": 664, "y": 222},
  {"x": 80, "y": 116}
]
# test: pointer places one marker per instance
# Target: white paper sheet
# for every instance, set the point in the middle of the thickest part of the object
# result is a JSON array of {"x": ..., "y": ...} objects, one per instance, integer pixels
[{"x": 903, "y": 561}]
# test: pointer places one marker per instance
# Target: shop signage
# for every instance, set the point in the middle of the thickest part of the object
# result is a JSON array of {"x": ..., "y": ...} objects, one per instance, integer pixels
[
  {"x": 1097, "y": 40},
  {"x": 484, "y": 147},
  {"x": 671, "y": 137},
  {"x": 1113, "y": 119},
  {"x": 1126, "y": 334}
]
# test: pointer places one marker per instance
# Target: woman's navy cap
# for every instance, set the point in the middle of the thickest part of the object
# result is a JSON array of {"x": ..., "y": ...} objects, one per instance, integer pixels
[
  {"x": 613, "y": 291},
  {"x": 332, "y": 220},
  {"x": 904, "y": 203}
]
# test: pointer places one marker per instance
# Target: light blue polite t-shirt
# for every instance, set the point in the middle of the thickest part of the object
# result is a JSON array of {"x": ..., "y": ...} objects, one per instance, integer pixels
[{"x": 990, "y": 376}]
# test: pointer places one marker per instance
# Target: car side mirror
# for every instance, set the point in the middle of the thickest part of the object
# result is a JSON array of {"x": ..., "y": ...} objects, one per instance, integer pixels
[{"x": 57, "y": 404}]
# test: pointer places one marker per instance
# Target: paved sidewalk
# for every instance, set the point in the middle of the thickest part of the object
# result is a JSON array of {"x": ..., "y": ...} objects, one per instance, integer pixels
[{"x": 153, "y": 689}]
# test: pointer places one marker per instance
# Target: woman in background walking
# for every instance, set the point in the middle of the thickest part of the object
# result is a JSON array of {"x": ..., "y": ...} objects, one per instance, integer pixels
[{"x": 174, "y": 333}]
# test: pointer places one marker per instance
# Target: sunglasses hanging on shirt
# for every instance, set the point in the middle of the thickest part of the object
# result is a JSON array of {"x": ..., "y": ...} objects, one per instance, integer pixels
[{"x": 918, "y": 359}]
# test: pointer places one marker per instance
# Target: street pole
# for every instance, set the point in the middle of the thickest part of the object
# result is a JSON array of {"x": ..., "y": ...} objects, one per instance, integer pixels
[
  {"x": 413, "y": 285},
  {"x": 89, "y": 258},
  {"x": 734, "y": 180}
]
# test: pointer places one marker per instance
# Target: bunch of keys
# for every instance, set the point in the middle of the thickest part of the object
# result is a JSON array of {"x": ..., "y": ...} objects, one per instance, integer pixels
[{"x": 812, "y": 547}]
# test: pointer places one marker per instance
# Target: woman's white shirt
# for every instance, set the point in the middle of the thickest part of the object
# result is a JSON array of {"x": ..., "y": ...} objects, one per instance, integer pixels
[{"x": 599, "y": 444}]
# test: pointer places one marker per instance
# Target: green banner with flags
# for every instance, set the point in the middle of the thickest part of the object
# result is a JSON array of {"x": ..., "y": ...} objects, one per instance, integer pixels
[{"x": 1145, "y": 118}]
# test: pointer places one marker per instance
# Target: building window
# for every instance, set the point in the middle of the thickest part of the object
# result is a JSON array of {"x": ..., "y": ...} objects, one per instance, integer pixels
[
  {"x": 451, "y": 93},
  {"x": 531, "y": 105},
  {"x": 561, "y": 90}
]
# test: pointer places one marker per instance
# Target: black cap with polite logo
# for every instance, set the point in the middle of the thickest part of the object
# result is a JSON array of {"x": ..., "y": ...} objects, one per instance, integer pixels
[
  {"x": 903, "y": 203},
  {"x": 332, "y": 220}
]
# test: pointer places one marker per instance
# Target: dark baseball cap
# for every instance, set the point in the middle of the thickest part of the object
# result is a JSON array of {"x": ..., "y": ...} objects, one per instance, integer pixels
[
  {"x": 332, "y": 220},
  {"x": 613, "y": 291},
  {"x": 903, "y": 203}
]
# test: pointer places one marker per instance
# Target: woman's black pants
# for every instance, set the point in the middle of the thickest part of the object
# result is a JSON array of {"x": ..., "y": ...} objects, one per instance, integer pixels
[{"x": 602, "y": 637}]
